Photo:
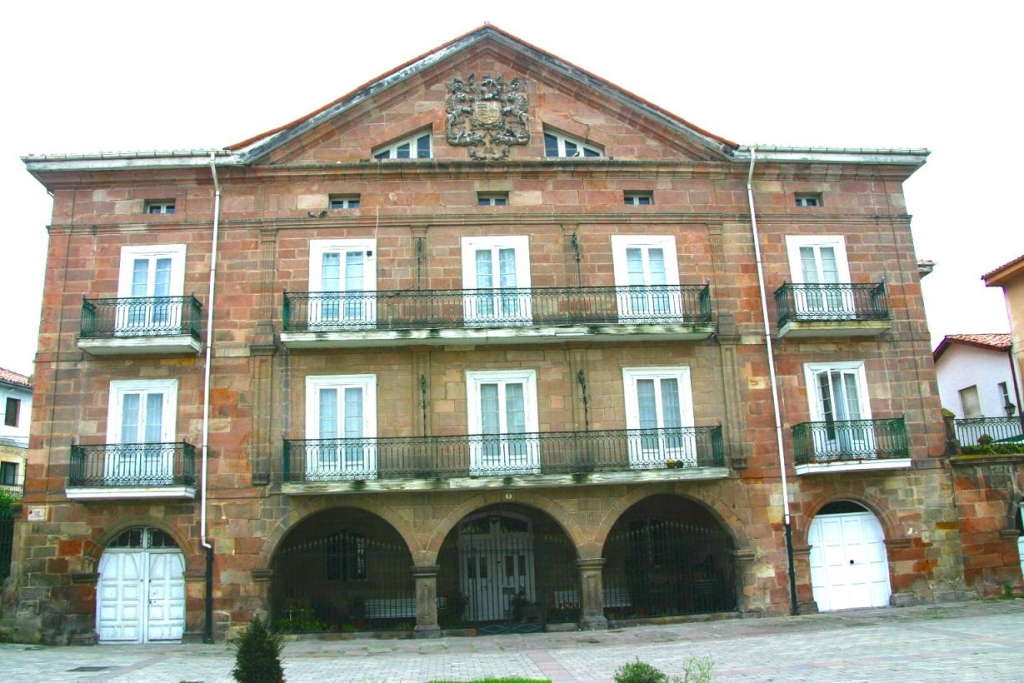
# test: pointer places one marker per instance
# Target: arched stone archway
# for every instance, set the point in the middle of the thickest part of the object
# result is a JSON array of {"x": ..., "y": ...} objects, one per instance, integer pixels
[
  {"x": 342, "y": 569},
  {"x": 507, "y": 568},
  {"x": 668, "y": 555}
]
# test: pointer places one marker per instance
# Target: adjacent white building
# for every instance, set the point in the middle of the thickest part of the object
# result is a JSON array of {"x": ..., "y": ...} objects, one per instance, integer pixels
[
  {"x": 976, "y": 375},
  {"x": 15, "y": 418}
]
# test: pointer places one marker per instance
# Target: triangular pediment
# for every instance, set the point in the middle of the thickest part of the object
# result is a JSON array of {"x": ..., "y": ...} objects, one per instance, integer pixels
[{"x": 485, "y": 96}]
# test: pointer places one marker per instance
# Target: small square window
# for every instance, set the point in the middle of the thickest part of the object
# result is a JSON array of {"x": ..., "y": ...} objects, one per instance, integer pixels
[
  {"x": 808, "y": 199},
  {"x": 12, "y": 409},
  {"x": 492, "y": 198},
  {"x": 639, "y": 198},
  {"x": 344, "y": 201},
  {"x": 165, "y": 206}
]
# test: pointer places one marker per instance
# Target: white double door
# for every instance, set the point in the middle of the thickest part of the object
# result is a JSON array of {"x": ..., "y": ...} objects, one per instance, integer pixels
[
  {"x": 497, "y": 570},
  {"x": 140, "y": 596},
  {"x": 849, "y": 567}
]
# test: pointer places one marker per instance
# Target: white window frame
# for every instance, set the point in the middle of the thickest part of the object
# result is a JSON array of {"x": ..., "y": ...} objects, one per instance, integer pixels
[
  {"x": 343, "y": 201},
  {"x": 647, "y": 451},
  {"x": 636, "y": 197},
  {"x": 155, "y": 465},
  {"x": 359, "y": 309},
  {"x": 808, "y": 199},
  {"x": 481, "y": 462},
  {"x": 496, "y": 307},
  {"x": 339, "y": 461},
  {"x": 864, "y": 438},
  {"x": 391, "y": 151},
  {"x": 492, "y": 198},
  {"x": 807, "y": 300},
  {"x": 582, "y": 148},
  {"x": 156, "y": 207},
  {"x": 150, "y": 318},
  {"x": 646, "y": 306}
]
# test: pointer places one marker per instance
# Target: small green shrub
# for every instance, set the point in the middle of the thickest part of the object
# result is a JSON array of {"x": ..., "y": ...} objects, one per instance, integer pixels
[
  {"x": 258, "y": 654},
  {"x": 640, "y": 672},
  {"x": 695, "y": 670},
  {"x": 995, "y": 449}
]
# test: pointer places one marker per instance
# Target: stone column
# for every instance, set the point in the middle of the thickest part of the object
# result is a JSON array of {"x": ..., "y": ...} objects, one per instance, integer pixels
[
  {"x": 426, "y": 601},
  {"x": 804, "y": 592},
  {"x": 592, "y": 594}
]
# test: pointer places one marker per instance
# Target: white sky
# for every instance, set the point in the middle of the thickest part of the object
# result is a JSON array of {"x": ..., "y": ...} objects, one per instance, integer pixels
[{"x": 143, "y": 75}]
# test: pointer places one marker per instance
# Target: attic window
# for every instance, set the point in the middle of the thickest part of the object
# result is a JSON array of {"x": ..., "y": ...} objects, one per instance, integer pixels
[
  {"x": 638, "y": 198},
  {"x": 492, "y": 198},
  {"x": 344, "y": 201},
  {"x": 556, "y": 145},
  {"x": 808, "y": 199},
  {"x": 415, "y": 147},
  {"x": 155, "y": 206}
]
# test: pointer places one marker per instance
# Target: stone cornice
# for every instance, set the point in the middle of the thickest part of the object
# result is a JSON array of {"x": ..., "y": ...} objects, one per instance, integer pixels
[{"x": 404, "y": 221}]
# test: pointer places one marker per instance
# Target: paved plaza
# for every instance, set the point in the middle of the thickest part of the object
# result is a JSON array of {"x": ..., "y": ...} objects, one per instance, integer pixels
[{"x": 972, "y": 641}]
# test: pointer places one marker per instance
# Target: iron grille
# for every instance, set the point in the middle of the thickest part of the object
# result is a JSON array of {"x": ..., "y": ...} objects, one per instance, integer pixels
[
  {"x": 502, "y": 454},
  {"x": 831, "y": 302},
  {"x": 133, "y": 317},
  {"x": 971, "y": 431},
  {"x": 836, "y": 441},
  {"x": 662, "y": 567},
  {"x": 133, "y": 464},
  {"x": 461, "y": 308},
  {"x": 343, "y": 581}
]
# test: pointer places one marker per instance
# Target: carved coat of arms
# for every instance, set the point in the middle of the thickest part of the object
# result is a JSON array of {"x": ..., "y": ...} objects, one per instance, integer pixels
[{"x": 488, "y": 117}]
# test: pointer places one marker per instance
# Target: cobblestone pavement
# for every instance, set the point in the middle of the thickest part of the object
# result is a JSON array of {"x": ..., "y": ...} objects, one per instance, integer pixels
[{"x": 971, "y": 641}]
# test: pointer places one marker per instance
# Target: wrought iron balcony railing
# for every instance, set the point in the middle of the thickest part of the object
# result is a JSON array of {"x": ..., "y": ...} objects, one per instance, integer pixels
[
  {"x": 831, "y": 302},
  {"x": 462, "y": 308},
  {"x": 133, "y": 465},
  {"x": 972, "y": 431},
  {"x": 137, "y": 317},
  {"x": 432, "y": 457},
  {"x": 839, "y": 441},
  {"x": 12, "y": 491}
]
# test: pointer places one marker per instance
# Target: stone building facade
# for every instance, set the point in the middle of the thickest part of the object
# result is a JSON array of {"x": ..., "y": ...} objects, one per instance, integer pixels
[{"x": 487, "y": 352}]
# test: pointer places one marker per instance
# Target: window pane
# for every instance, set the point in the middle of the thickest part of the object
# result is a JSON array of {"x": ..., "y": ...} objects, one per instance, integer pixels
[
  {"x": 570, "y": 148},
  {"x": 423, "y": 147},
  {"x": 162, "y": 281},
  {"x": 484, "y": 269},
  {"x": 154, "y": 418},
  {"x": 550, "y": 145},
  {"x": 829, "y": 267},
  {"x": 647, "y": 404},
  {"x": 354, "y": 271},
  {"x": 671, "y": 417},
  {"x": 515, "y": 409},
  {"x": 809, "y": 265},
  {"x": 635, "y": 266},
  {"x": 489, "y": 414},
  {"x": 852, "y": 396},
  {"x": 656, "y": 261},
  {"x": 590, "y": 152},
  {"x": 140, "y": 277},
  {"x": 507, "y": 259},
  {"x": 328, "y": 414},
  {"x": 130, "y": 418},
  {"x": 330, "y": 273},
  {"x": 402, "y": 151},
  {"x": 353, "y": 413}
]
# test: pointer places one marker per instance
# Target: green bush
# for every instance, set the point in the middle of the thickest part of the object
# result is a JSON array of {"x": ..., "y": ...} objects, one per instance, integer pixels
[
  {"x": 640, "y": 672},
  {"x": 995, "y": 449},
  {"x": 695, "y": 670},
  {"x": 258, "y": 654}
]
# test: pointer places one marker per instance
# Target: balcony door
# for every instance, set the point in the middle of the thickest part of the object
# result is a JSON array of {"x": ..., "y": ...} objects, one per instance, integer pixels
[
  {"x": 149, "y": 277},
  {"x": 840, "y": 402},
  {"x": 343, "y": 281},
  {"x": 819, "y": 264},
  {"x": 342, "y": 427},
  {"x": 658, "y": 414},
  {"x": 645, "y": 266},
  {"x": 503, "y": 422},
  {"x": 496, "y": 277},
  {"x": 140, "y": 435}
]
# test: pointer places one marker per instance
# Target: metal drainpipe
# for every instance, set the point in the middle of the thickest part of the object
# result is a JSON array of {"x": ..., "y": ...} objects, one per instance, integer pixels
[
  {"x": 207, "y": 546},
  {"x": 794, "y": 606}
]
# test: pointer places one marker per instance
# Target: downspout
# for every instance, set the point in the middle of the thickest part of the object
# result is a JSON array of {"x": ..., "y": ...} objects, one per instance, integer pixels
[
  {"x": 794, "y": 606},
  {"x": 207, "y": 546}
]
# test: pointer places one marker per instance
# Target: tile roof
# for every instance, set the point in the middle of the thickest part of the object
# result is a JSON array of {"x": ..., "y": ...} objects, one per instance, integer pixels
[
  {"x": 11, "y": 377},
  {"x": 996, "y": 273},
  {"x": 994, "y": 342}
]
